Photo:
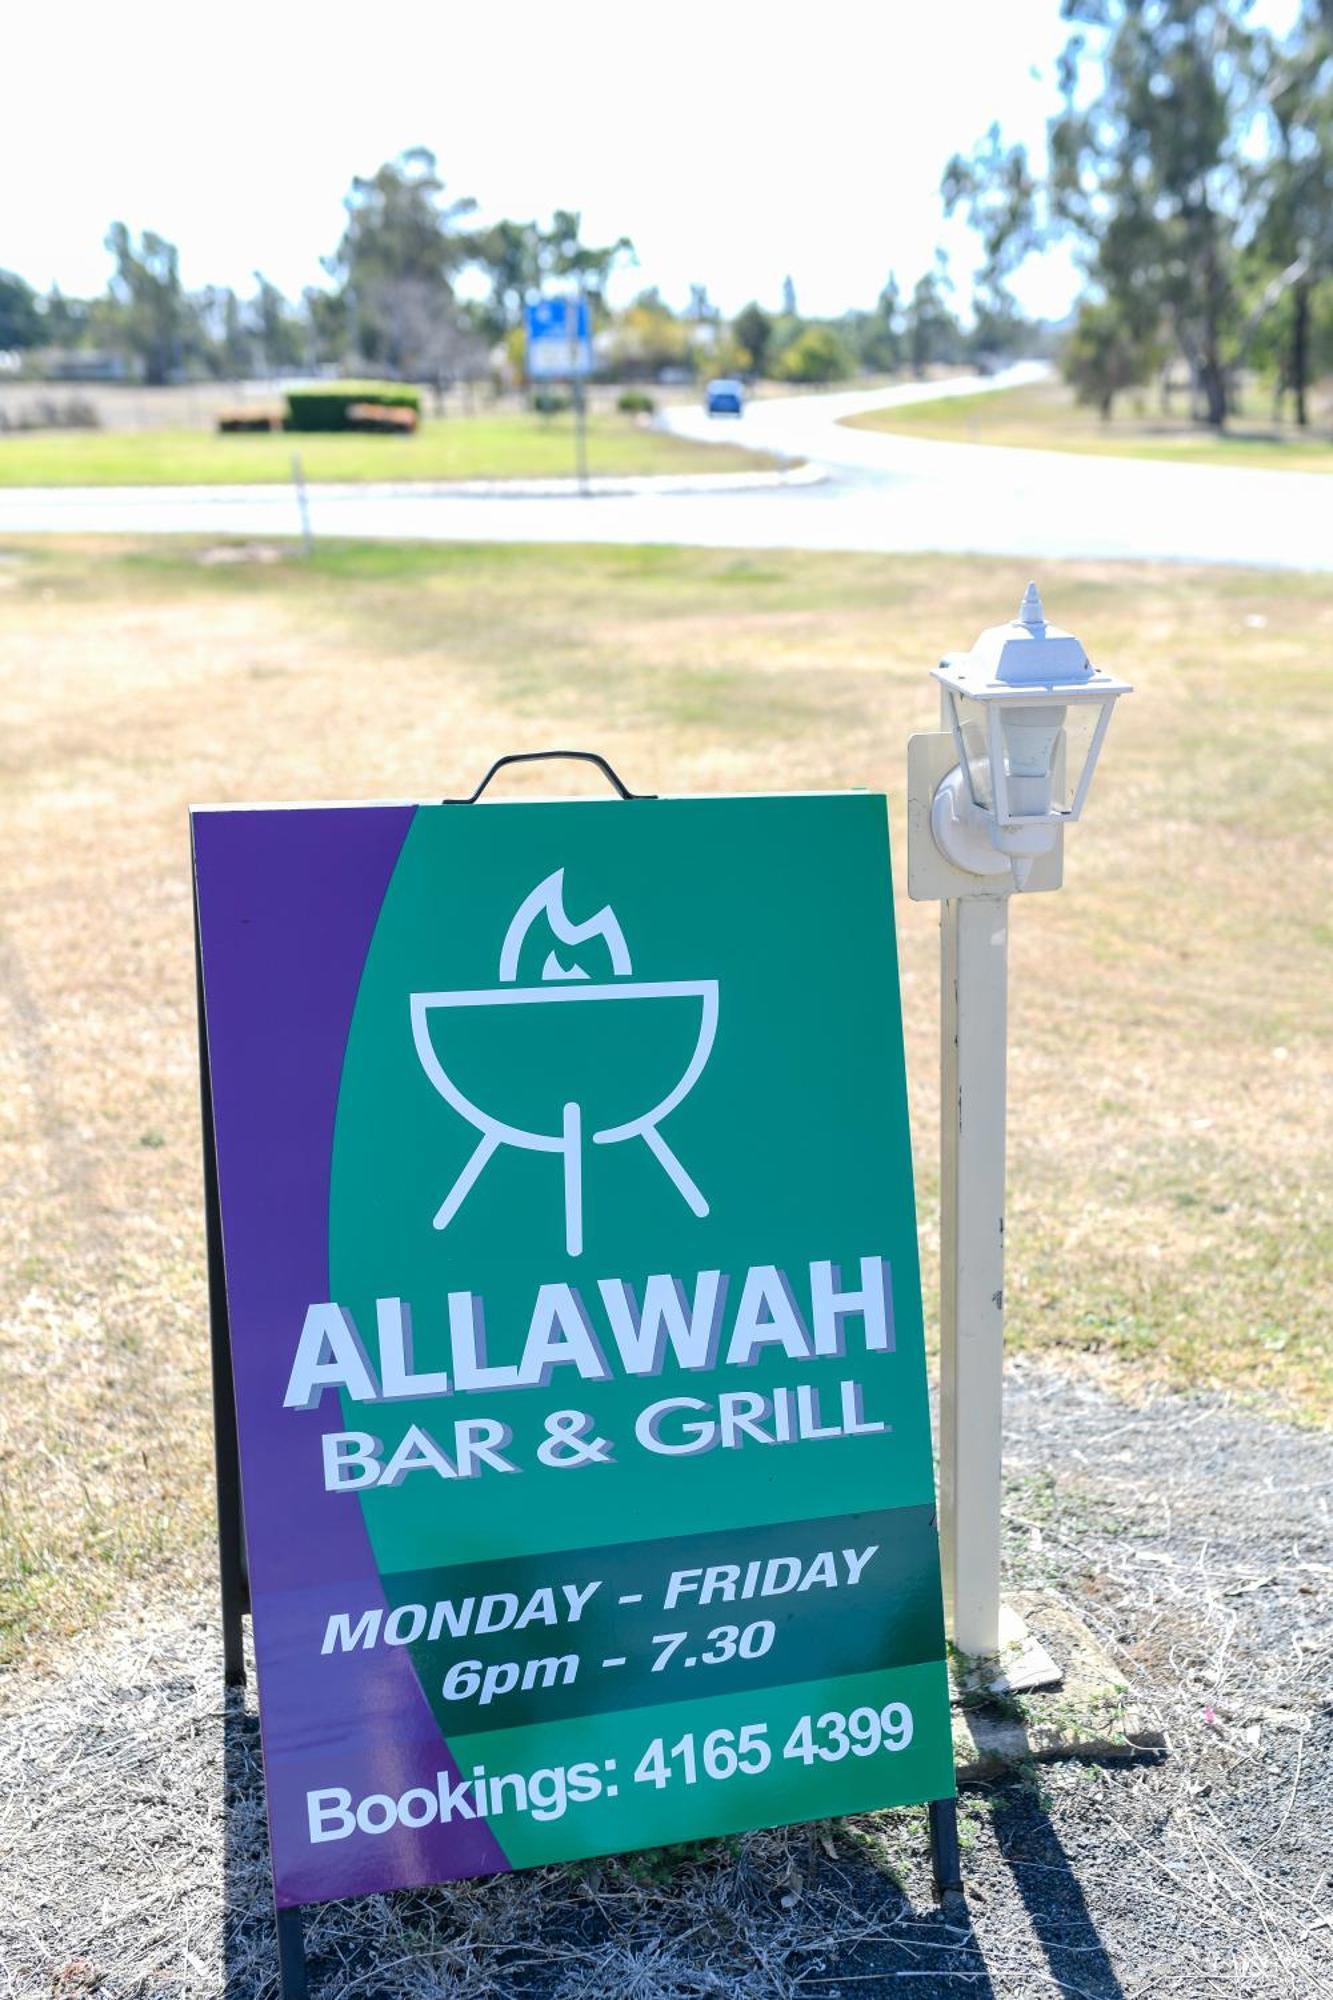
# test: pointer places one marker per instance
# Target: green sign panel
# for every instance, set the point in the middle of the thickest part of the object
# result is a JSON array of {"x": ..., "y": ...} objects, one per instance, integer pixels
[{"x": 618, "y": 1366}]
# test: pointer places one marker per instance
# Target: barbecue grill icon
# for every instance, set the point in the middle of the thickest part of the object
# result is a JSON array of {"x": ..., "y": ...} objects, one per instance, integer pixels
[{"x": 560, "y": 1125}]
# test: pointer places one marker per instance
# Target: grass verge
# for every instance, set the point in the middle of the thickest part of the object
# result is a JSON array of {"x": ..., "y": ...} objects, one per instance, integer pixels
[
  {"x": 1169, "y": 1074},
  {"x": 509, "y": 444},
  {"x": 1045, "y": 417}
]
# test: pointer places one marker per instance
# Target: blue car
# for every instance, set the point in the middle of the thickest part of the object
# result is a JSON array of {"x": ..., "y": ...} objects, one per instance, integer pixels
[{"x": 724, "y": 398}]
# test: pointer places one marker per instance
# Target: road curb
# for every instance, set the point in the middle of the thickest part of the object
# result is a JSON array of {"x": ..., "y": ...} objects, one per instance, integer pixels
[{"x": 648, "y": 485}]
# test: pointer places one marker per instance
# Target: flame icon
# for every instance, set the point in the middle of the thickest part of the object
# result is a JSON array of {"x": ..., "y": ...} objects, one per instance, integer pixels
[
  {"x": 561, "y": 1127},
  {"x": 548, "y": 900}
]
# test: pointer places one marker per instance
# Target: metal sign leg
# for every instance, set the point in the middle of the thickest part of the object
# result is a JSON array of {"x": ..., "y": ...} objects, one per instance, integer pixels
[
  {"x": 231, "y": 1536},
  {"x": 945, "y": 1861},
  {"x": 291, "y": 1955}
]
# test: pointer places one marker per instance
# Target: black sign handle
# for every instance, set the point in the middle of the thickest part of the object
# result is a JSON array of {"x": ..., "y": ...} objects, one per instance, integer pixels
[{"x": 537, "y": 757}]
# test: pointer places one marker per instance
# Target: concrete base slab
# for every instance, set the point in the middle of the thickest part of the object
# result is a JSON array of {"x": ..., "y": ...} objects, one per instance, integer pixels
[
  {"x": 1021, "y": 1664},
  {"x": 1022, "y": 1707}
]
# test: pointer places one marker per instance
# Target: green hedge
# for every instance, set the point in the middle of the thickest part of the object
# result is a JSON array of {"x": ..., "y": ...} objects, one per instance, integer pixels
[{"x": 327, "y": 407}]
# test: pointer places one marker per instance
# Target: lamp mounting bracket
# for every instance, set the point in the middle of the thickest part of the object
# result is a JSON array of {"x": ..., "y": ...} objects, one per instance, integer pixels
[{"x": 933, "y": 877}]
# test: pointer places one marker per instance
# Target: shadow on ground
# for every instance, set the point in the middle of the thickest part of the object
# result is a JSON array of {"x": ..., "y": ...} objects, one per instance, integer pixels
[
  {"x": 1191, "y": 1535},
  {"x": 829, "y": 1910}
]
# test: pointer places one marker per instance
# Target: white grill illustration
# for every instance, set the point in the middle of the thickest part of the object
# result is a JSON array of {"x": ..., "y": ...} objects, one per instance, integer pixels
[{"x": 563, "y": 985}]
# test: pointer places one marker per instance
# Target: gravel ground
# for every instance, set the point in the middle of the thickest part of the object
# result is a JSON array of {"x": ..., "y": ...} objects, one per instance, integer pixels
[{"x": 1193, "y": 1538}]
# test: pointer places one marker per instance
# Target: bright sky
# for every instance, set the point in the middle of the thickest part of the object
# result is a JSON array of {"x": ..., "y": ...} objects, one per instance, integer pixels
[{"x": 732, "y": 147}]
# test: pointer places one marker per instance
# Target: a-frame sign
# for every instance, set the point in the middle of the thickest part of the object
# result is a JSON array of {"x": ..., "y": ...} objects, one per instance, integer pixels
[{"x": 569, "y": 1373}]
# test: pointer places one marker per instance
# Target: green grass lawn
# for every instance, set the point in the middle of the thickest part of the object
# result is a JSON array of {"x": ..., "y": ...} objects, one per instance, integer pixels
[
  {"x": 507, "y": 444},
  {"x": 1170, "y": 1221},
  {"x": 1045, "y": 417}
]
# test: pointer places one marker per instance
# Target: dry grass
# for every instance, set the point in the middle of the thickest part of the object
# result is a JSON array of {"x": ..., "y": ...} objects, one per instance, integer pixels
[
  {"x": 1169, "y": 1071},
  {"x": 1045, "y": 417},
  {"x": 135, "y": 1863}
]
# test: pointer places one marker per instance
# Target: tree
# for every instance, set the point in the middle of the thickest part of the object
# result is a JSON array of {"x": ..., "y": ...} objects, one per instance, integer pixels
[
  {"x": 649, "y": 338},
  {"x": 880, "y": 333},
  {"x": 20, "y": 321},
  {"x": 65, "y": 322},
  {"x": 152, "y": 314},
  {"x": 444, "y": 347},
  {"x": 999, "y": 328},
  {"x": 236, "y": 348},
  {"x": 1159, "y": 152},
  {"x": 753, "y": 328},
  {"x": 1149, "y": 164},
  {"x": 931, "y": 330},
  {"x": 233, "y": 337},
  {"x": 511, "y": 253},
  {"x": 564, "y": 254},
  {"x": 220, "y": 335},
  {"x": 1295, "y": 237},
  {"x": 1104, "y": 355},
  {"x": 816, "y": 355},
  {"x": 277, "y": 330},
  {"x": 723, "y": 355},
  {"x": 523, "y": 260},
  {"x": 330, "y": 321},
  {"x": 400, "y": 252},
  {"x": 1000, "y": 194}
]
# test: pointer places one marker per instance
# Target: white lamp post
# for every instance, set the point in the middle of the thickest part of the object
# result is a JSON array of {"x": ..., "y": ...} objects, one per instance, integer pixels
[{"x": 1025, "y": 714}]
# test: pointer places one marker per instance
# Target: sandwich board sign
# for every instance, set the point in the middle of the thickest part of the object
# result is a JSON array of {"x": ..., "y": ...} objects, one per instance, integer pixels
[
  {"x": 567, "y": 1276},
  {"x": 559, "y": 339}
]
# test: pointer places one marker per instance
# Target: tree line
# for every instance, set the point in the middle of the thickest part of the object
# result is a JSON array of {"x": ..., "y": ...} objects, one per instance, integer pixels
[
  {"x": 419, "y": 289},
  {"x": 1189, "y": 157},
  {"x": 390, "y": 304},
  {"x": 1191, "y": 161}
]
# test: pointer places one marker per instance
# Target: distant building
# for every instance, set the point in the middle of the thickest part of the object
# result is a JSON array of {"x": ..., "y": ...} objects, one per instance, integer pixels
[{"x": 78, "y": 364}]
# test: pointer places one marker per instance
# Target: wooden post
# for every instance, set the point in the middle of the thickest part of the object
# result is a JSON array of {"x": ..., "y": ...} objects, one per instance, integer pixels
[{"x": 974, "y": 967}]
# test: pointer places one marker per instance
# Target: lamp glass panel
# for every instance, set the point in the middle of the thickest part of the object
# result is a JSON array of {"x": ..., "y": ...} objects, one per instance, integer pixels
[
  {"x": 1081, "y": 719},
  {"x": 1030, "y": 734},
  {"x": 969, "y": 722}
]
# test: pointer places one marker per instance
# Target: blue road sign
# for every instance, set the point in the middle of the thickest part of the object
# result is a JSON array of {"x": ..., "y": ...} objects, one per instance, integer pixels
[{"x": 559, "y": 339}]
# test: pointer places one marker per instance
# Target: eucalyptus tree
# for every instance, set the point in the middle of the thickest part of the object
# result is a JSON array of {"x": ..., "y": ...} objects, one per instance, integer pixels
[
  {"x": 20, "y": 317},
  {"x": 150, "y": 315},
  {"x": 511, "y": 253},
  {"x": 1150, "y": 166},
  {"x": 401, "y": 251},
  {"x": 1002, "y": 198},
  {"x": 753, "y": 328},
  {"x": 276, "y": 329},
  {"x": 1295, "y": 237},
  {"x": 879, "y": 334},
  {"x": 1150, "y": 163},
  {"x": 1104, "y": 354},
  {"x": 930, "y": 328},
  {"x": 563, "y": 254}
]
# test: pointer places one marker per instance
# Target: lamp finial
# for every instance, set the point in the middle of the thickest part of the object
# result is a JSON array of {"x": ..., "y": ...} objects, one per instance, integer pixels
[{"x": 1030, "y": 612}]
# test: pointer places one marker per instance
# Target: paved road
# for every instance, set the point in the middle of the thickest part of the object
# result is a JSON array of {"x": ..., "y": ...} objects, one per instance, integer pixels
[{"x": 882, "y": 493}]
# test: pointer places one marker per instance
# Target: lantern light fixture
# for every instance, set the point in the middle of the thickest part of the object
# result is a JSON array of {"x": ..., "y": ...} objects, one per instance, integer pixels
[
  {"x": 1028, "y": 712},
  {"x": 1023, "y": 719}
]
